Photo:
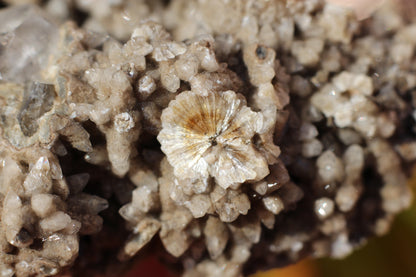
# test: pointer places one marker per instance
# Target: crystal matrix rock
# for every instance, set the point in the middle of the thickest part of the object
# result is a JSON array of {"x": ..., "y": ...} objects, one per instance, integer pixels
[{"x": 223, "y": 144}]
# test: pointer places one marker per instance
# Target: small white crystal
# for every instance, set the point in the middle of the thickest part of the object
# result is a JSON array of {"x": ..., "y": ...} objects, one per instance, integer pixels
[
  {"x": 273, "y": 204},
  {"x": 43, "y": 204},
  {"x": 55, "y": 222},
  {"x": 324, "y": 207}
]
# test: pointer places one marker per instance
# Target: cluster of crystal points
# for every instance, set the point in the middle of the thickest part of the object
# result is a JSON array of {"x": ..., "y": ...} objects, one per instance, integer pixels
[{"x": 250, "y": 135}]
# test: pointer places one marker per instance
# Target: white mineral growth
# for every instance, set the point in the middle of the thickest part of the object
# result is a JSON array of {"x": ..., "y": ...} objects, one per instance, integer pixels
[
  {"x": 43, "y": 204},
  {"x": 123, "y": 122},
  {"x": 258, "y": 132},
  {"x": 324, "y": 207},
  {"x": 273, "y": 204},
  {"x": 147, "y": 86},
  {"x": 333, "y": 225},
  {"x": 145, "y": 231},
  {"x": 199, "y": 205},
  {"x": 216, "y": 236},
  {"x": 55, "y": 222},
  {"x": 347, "y": 197},
  {"x": 28, "y": 36},
  {"x": 407, "y": 150},
  {"x": 308, "y": 51},
  {"x": 349, "y": 193},
  {"x": 12, "y": 215},
  {"x": 307, "y": 131},
  {"x": 6, "y": 271},
  {"x": 208, "y": 135},
  {"x": 39, "y": 178},
  {"x": 35, "y": 208},
  {"x": 330, "y": 167},
  {"x": 144, "y": 199},
  {"x": 232, "y": 205},
  {"x": 341, "y": 247},
  {"x": 395, "y": 193},
  {"x": 312, "y": 148}
]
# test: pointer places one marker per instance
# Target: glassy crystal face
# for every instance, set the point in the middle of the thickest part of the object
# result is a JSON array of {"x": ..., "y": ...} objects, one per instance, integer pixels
[{"x": 28, "y": 37}]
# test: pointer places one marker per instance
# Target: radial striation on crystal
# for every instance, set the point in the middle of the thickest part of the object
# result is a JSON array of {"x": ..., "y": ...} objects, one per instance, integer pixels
[{"x": 211, "y": 135}]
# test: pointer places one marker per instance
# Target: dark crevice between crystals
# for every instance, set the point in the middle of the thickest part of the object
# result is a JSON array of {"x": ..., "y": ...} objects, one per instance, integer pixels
[
  {"x": 79, "y": 16},
  {"x": 297, "y": 221},
  {"x": 362, "y": 220},
  {"x": 99, "y": 251}
]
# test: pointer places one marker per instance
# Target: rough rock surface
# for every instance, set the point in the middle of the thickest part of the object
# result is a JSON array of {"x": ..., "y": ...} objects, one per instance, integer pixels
[{"x": 272, "y": 131}]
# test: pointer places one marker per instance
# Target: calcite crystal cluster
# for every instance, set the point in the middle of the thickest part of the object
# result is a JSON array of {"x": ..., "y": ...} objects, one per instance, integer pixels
[{"x": 222, "y": 136}]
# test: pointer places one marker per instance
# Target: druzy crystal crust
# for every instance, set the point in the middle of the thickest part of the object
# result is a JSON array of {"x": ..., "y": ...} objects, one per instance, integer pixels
[{"x": 270, "y": 132}]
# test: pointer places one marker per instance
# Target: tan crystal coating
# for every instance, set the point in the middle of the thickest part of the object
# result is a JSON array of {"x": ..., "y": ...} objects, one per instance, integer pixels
[{"x": 224, "y": 137}]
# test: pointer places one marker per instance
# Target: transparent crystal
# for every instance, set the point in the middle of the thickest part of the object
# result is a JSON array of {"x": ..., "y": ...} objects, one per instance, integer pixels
[{"x": 27, "y": 38}]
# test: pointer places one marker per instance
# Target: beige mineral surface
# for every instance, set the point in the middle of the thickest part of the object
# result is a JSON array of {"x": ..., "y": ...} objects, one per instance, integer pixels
[{"x": 223, "y": 137}]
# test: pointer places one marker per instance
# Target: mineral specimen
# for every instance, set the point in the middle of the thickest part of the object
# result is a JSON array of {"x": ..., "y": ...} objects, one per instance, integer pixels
[{"x": 230, "y": 136}]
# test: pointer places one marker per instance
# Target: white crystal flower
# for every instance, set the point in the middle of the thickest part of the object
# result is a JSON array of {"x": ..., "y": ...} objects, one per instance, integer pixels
[{"x": 211, "y": 135}]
